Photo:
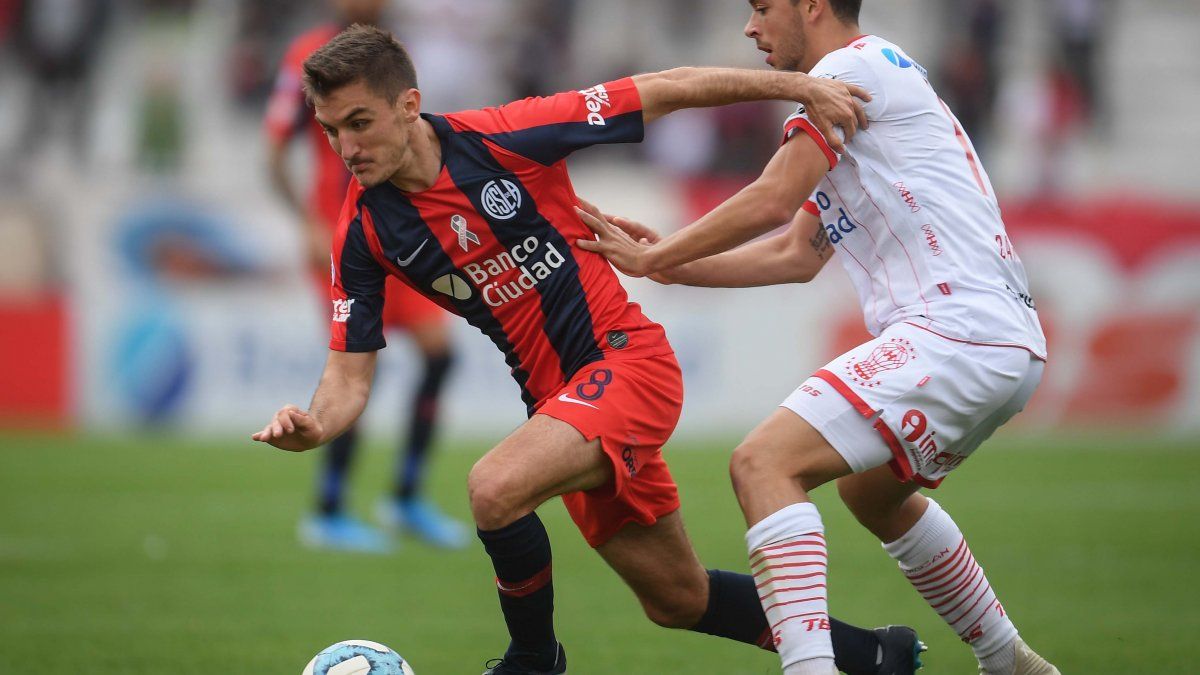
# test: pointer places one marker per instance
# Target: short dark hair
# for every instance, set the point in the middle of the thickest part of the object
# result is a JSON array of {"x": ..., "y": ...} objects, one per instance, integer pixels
[
  {"x": 363, "y": 53},
  {"x": 846, "y": 10}
]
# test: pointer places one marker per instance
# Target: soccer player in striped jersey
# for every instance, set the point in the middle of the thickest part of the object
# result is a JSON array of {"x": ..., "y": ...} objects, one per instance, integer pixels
[
  {"x": 958, "y": 349},
  {"x": 476, "y": 210}
]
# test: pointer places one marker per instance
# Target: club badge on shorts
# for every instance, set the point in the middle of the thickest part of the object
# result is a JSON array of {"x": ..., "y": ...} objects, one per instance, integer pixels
[{"x": 890, "y": 355}]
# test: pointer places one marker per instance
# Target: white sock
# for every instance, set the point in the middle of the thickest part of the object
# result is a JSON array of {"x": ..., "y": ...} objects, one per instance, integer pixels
[
  {"x": 939, "y": 564},
  {"x": 812, "y": 667},
  {"x": 788, "y": 561},
  {"x": 1002, "y": 662}
]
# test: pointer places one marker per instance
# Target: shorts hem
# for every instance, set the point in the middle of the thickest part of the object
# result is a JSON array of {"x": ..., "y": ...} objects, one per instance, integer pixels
[
  {"x": 900, "y": 464},
  {"x": 620, "y": 479}
]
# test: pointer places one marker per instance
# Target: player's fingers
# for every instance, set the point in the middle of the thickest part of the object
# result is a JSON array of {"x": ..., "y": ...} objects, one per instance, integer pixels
[
  {"x": 597, "y": 225},
  {"x": 858, "y": 92},
  {"x": 831, "y": 137},
  {"x": 590, "y": 208},
  {"x": 303, "y": 421},
  {"x": 588, "y": 245},
  {"x": 632, "y": 228},
  {"x": 849, "y": 126},
  {"x": 861, "y": 113}
]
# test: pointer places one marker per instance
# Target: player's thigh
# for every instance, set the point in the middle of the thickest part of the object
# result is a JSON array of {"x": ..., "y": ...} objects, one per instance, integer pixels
[
  {"x": 786, "y": 447},
  {"x": 543, "y": 458},
  {"x": 659, "y": 564}
]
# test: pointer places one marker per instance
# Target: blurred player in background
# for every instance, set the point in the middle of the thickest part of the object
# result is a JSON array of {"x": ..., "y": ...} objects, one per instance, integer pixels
[
  {"x": 958, "y": 351},
  {"x": 475, "y": 209},
  {"x": 289, "y": 117}
]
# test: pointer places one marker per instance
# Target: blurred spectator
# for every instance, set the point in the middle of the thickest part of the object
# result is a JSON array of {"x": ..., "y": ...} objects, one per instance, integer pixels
[
  {"x": 290, "y": 118},
  {"x": 263, "y": 28},
  {"x": 460, "y": 48},
  {"x": 1079, "y": 27},
  {"x": 57, "y": 42},
  {"x": 543, "y": 51},
  {"x": 970, "y": 64}
]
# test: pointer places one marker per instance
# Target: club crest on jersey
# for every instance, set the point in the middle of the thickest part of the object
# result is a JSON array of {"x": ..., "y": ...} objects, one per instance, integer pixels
[
  {"x": 465, "y": 236},
  {"x": 890, "y": 355},
  {"x": 501, "y": 198}
]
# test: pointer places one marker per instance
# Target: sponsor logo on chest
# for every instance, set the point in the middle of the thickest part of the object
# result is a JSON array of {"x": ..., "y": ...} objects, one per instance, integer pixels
[
  {"x": 531, "y": 270},
  {"x": 841, "y": 225}
]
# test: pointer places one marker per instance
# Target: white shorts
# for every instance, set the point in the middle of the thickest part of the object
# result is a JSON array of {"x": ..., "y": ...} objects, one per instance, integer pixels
[{"x": 915, "y": 400}]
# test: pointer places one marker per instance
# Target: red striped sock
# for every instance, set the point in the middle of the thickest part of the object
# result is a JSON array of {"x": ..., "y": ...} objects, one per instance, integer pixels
[
  {"x": 788, "y": 561},
  {"x": 939, "y": 564}
]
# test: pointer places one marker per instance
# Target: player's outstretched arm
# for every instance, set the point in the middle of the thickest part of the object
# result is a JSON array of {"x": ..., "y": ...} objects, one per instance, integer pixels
[
  {"x": 794, "y": 256},
  {"x": 340, "y": 398},
  {"x": 770, "y": 201},
  {"x": 829, "y": 102}
]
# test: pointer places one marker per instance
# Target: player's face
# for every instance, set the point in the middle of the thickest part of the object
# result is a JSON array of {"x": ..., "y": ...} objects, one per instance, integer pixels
[
  {"x": 371, "y": 135},
  {"x": 360, "y": 11},
  {"x": 777, "y": 28}
]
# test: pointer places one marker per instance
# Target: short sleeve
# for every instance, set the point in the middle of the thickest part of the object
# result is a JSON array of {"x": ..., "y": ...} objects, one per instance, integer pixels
[
  {"x": 547, "y": 129},
  {"x": 357, "y": 291},
  {"x": 844, "y": 65}
]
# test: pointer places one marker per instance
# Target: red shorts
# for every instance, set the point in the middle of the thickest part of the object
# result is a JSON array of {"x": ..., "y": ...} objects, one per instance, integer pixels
[
  {"x": 403, "y": 306},
  {"x": 632, "y": 407}
]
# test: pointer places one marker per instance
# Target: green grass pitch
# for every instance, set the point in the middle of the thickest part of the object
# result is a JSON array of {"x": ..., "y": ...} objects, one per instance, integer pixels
[{"x": 161, "y": 555}]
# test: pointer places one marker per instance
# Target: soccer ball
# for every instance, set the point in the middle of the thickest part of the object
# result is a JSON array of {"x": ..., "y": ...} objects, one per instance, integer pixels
[{"x": 357, "y": 657}]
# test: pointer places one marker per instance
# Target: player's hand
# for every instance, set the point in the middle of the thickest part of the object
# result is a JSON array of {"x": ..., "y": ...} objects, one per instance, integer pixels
[
  {"x": 636, "y": 231},
  {"x": 622, "y": 250},
  {"x": 830, "y": 104},
  {"x": 291, "y": 429}
]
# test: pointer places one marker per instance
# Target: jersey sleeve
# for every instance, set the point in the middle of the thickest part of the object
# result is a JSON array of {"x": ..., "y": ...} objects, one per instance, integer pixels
[
  {"x": 846, "y": 66},
  {"x": 287, "y": 111},
  {"x": 357, "y": 290},
  {"x": 547, "y": 129}
]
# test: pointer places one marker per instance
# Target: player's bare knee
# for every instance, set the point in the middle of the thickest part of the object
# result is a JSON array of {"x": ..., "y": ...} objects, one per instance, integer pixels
[
  {"x": 750, "y": 463},
  {"x": 755, "y": 464},
  {"x": 494, "y": 501}
]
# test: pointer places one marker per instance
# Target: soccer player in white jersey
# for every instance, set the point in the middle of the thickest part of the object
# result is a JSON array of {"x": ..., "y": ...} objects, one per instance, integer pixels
[{"x": 958, "y": 347}]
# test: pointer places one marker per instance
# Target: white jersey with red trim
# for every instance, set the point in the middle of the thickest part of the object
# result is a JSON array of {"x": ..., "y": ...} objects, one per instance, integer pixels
[{"x": 913, "y": 213}]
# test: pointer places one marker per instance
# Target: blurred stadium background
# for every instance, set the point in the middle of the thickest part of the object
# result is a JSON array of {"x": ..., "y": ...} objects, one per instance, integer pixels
[{"x": 154, "y": 311}]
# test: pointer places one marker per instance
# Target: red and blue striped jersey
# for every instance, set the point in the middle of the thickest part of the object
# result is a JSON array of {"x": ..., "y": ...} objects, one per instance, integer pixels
[{"x": 493, "y": 241}]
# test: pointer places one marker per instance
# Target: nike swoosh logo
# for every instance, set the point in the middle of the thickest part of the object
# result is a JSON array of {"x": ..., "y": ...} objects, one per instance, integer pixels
[
  {"x": 409, "y": 259},
  {"x": 567, "y": 399}
]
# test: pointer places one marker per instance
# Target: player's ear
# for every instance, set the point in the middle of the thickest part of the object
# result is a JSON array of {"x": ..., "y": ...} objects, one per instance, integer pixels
[
  {"x": 810, "y": 9},
  {"x": 409, "y": 103}
]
